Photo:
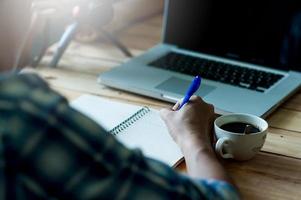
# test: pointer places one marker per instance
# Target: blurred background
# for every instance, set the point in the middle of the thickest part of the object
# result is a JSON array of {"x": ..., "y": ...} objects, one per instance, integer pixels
[{"x": 100, "y": 21}]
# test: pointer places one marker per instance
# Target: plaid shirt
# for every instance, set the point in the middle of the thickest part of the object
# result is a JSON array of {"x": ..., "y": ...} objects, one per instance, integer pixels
[{"x": 50, "y": 151}]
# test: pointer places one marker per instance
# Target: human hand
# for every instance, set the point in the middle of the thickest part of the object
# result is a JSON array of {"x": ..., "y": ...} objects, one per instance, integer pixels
[
  {"x": 191, "y": 128},
  {"x": 192, "y": 124}
]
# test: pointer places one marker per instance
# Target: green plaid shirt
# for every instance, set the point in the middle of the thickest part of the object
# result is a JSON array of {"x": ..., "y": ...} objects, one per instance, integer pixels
[{"x": 50, "y": 151}]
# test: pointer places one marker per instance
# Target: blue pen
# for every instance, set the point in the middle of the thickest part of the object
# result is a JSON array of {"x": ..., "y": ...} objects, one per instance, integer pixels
[{"x": 196, "y": 83}]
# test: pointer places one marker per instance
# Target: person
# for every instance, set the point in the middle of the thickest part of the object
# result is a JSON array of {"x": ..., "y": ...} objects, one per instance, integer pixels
[{"x": 50, "y": 151}]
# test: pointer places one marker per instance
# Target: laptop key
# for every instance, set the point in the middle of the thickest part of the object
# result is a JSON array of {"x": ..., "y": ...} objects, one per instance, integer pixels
[{"x": 252, "y": 79}]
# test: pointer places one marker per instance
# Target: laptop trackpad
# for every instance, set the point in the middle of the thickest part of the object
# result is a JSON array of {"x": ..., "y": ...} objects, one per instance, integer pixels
[{"x": 180, "y": 86}]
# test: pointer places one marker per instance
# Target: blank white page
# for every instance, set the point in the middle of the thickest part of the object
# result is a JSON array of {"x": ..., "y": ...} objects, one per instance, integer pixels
[
  {"x": 105, "y": 112},
  {"x": 150, "y": 134}
]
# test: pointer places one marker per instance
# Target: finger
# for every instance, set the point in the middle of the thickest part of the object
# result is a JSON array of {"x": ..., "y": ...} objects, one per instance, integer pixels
[
  {"x": 165, "y": 112},
  {"x": 211, "y": 106},
  {"x": 195, "y": 98}
]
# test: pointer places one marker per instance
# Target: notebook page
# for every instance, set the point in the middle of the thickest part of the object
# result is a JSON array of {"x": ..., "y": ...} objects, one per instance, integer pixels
[
  {"x": 150, "y": 134},
  {"x": 105, "y": 112}
]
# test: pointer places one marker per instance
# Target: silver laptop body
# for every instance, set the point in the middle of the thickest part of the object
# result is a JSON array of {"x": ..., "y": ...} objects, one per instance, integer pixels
[{"x": 139, "y": 75}]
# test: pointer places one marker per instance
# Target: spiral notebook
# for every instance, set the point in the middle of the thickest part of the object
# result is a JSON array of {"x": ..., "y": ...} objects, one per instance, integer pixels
[{"x": 134, "y": 126}]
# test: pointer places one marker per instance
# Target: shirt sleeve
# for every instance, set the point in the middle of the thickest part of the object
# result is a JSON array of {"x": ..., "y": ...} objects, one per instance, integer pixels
[
  {"x": 216, "y": 189},
  {"x": 52, "y": 151}
]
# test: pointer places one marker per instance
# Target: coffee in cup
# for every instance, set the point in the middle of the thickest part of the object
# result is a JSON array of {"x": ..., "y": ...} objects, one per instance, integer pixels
[
  {"x": 239, "y": 136},
  {"x": 240, "y": 128}
]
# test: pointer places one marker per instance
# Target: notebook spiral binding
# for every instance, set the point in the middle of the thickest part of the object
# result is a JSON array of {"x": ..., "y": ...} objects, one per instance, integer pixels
[{"x": 129, "y": 121}]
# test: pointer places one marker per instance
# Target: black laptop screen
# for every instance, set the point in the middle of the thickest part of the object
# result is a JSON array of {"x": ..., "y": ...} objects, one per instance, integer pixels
[{"x": 264, "y": 32}]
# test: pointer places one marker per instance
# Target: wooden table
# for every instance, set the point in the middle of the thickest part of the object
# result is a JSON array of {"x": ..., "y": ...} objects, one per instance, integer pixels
[{"x": 275, "y": 173}]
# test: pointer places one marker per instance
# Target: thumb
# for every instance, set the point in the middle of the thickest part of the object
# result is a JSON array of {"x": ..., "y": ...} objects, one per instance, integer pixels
[{"x": 167, "y": 111}]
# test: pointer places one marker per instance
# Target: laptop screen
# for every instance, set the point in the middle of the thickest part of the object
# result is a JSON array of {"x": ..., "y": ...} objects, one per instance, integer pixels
[{"x": 263, "y": 32}]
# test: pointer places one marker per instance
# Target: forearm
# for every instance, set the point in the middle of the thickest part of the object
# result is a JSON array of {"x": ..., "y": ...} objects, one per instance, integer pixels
[{"x": 202, "y": 163}]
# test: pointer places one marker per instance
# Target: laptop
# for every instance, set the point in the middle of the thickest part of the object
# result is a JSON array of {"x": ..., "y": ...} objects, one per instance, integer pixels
[{"x": 247, "y": 52}]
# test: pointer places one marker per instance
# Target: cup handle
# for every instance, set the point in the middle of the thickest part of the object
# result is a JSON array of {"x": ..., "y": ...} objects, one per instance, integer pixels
[{"x": 220, "y": 146}]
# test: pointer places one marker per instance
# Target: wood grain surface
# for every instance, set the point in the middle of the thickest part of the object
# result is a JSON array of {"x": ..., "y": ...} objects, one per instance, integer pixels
[{"x": 275, "y": 173}]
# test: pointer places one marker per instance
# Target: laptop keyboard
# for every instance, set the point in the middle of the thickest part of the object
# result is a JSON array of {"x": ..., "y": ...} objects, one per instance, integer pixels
[{"x": 217, "y": 71}]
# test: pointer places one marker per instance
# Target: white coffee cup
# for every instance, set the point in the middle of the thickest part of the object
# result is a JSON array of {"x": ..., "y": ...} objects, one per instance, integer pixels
[{"x": 239, "y": 146}]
